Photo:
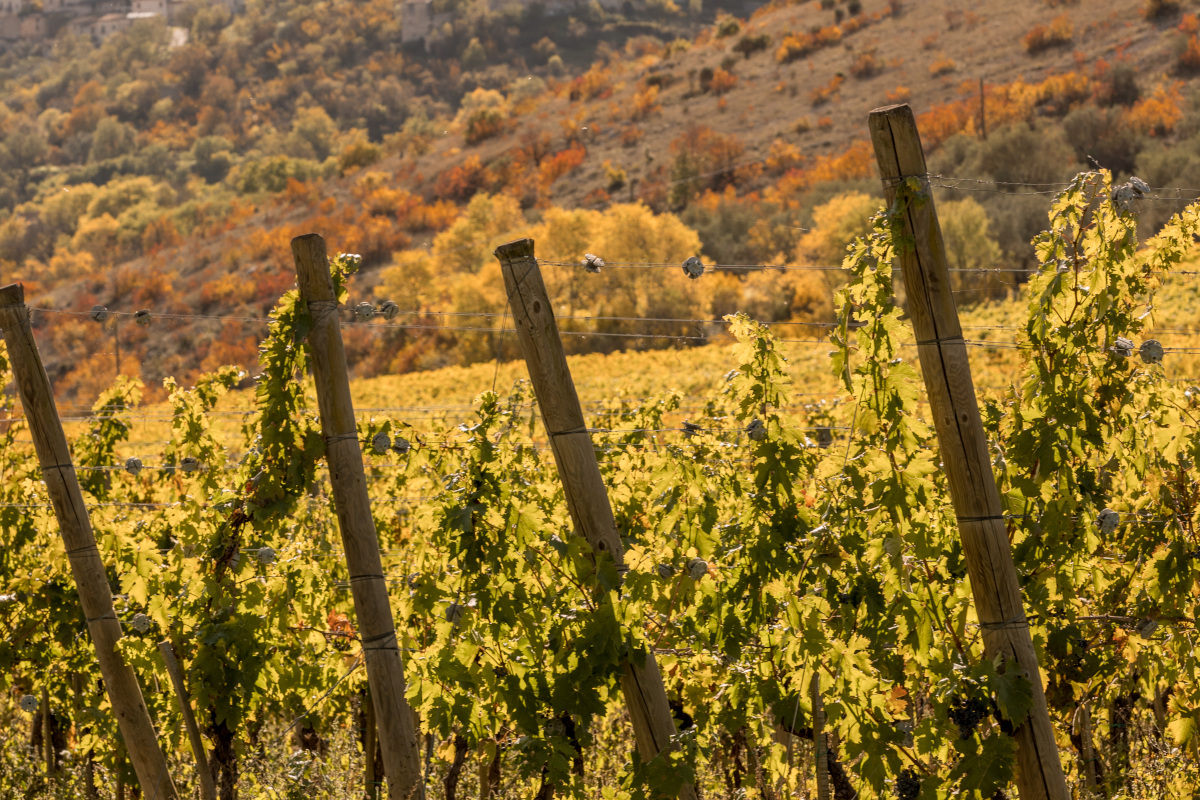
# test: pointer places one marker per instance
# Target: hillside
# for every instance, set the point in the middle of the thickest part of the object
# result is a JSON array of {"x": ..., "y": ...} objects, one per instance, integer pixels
[
  {"x": 752, "y": 565},
  {"x": 177, "y": 193},
  {"x": 928, "y": 54}
]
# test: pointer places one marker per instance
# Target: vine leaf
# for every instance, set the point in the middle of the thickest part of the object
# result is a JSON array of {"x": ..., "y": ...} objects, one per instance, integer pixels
[
  {"x": 986, "y": 765},
  {"x": 1012, "y": 690},
  {"x": 1183, "y": 730}
]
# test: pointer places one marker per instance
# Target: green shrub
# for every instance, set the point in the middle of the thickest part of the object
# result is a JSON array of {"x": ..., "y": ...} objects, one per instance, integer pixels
[
  {"x": 749, "y": 45},
  {"x": 1105, "y": 135},
  {"x": 270, "y": 174},
  {"x": 728, "y": 26}
]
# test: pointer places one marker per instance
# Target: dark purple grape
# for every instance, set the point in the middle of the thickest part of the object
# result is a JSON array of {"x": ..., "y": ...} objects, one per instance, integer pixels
[
  {"x": 966, "y": 713},
  {"x": 908, "y": 785}
]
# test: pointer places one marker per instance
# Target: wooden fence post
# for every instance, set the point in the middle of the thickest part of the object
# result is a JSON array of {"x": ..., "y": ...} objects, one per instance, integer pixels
[
  {"x": 91, "y": 579},
  {"x": 47, "y": 734},
  {"x": 370, "y": 779},
  {"x": 963, "y": 446},
  {"x": 583, "y": 485},
  {"x": 208, "y": 789},
  {"x": 820, "y": 739},
  {"x": 377, "y": 628},
  {"x": 1087, "y": 750}
]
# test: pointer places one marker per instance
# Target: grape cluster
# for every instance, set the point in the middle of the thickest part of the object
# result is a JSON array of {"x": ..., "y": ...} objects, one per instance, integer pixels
[
  {"x": 908, "y": 785},
  {"x": 966, "y": 713}
]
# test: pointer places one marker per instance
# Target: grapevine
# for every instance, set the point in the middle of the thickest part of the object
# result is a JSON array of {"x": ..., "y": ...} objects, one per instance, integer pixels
[{"x": 764, "y": 546}]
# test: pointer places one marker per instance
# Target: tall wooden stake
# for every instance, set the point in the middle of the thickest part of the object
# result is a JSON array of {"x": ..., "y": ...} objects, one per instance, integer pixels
[
  {"x": 47, "y": 733},
  {"x": 982, "y": 112},
  {"x": 587, "y": 497},
  {"x": 370, "y": 779},
  {"x": 91, "y": 579},
  {"x": 964, "y": 447},
  {"x": 1087, "y": 750},
  {"x": 385, "y": 667},
  {"x": 820, "y": 740},
  {"x": 117, "y": 342},
  {"x": 208, "y": 789}
]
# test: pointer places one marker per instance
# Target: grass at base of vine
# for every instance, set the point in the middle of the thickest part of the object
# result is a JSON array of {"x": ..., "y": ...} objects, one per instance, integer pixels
[{"x": 279, "y": 770}]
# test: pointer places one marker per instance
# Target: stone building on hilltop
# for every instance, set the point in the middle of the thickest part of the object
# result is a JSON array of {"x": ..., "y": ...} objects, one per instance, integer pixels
[
  {"x": 110, "y": 24},
  {"x": 99, "y": 19},
  {"x": 154, "y": 8}
]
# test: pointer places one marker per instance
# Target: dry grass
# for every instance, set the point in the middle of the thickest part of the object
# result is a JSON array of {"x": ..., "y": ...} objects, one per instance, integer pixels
[
  {"x": 769, "y": 96},
  {"x": 280, "y": 772}
]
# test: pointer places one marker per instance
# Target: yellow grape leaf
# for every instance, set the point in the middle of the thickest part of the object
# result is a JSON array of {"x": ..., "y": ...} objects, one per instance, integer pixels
[
  {"x": 446, "y": 751},
  {"x": 1182, "y": 730}
]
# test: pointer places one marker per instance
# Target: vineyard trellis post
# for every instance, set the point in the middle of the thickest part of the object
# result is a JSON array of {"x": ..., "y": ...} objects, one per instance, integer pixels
[
  {"x": 208, "y": 789},
  {"x": 1083, "y": 729},
  {"x": 820, "y": 739},
  {"x": 75, "y": 527},
  {"x": 377, "y": 628},
  {"x": 963, "y": 445},
  {"x": 47, "y": 733},
  {"x": 583, "y": 485},
  {"x": 370, "y": 787}
]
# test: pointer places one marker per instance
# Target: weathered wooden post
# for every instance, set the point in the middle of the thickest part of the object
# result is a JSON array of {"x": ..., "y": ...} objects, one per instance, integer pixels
[
  {"x": 820, "y": 740},
  {"x": 47, "y": 734},
  {"x": 964, "y": 447},
  {"x": 583, "y": 485},
  {"x": 377, "y": 628},
  {"x": 370, "y": 779},
  {"x": 91, "y": 579},
  {"x": 208, "y": 789},
  {"x": 1087, "y": 750}
]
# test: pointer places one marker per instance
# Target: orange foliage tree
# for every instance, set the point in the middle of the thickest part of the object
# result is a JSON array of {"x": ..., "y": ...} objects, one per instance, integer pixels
[{"x": 559, "y": 164}]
